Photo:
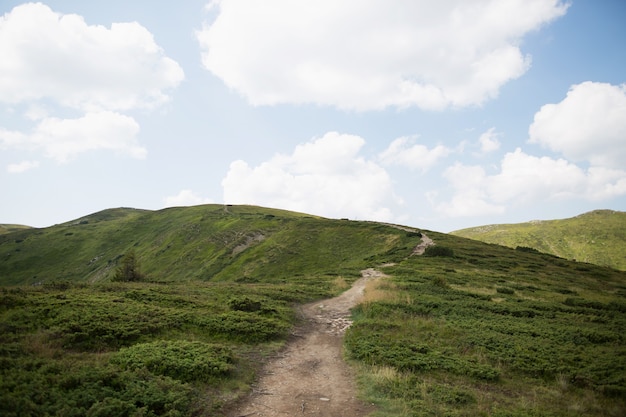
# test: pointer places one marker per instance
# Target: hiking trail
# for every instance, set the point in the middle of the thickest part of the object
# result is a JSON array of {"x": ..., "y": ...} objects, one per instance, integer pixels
[{"x": 309, "y": 377}]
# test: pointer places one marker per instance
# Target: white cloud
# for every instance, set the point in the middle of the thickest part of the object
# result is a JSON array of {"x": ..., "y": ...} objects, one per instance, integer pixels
[
  {"x": 588, "y": 125},
  {"x": 325, "y": 176},
  {"x": 47, "y": 55},
  {"x": 371, "y": 54},
  {"x": 186, "y": 198},
  {"x": 524, "y": 180},
  {"x": 488, "y": 141},
  {"x": 64, "y": 139},
  {"x": 22, "y": 167},
  {"x": 470, "y": 198},
  {"x": 403, "y": 151}
]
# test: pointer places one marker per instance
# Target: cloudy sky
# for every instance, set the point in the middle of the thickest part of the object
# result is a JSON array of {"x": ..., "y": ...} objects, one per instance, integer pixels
[{"x": 435, "y": 114}]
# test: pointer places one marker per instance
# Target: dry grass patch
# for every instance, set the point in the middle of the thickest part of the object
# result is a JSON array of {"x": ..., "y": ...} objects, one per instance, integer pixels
[
  {"x": 340, "y": 284},
  {"x": 379, "y": 290}
]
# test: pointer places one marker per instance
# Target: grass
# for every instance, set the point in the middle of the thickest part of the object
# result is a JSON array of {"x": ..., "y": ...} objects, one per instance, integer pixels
[
  {"x": 199, "y": 243},
  {"x": 9, "y": 228},
  {"x": 597, "y": 237},
  {"x": 469, "y": 329},
  {"x": 76, "y": 349},
  {"x": 492, "y": 331}
]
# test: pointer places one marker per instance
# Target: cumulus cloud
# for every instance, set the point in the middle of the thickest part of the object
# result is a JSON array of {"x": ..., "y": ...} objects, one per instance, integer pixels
[
  {"x": 56, "y": 64},
  {"x": 588, "y": 125},
  {"x": 48, "y": 55},
  {"x": 23, "y": 166},
  {"x": 471, "y": 196},
  {"x": 526, "y": 179},
  {"x": 371, "y": 54},
  {"x": 325, "y": 176},
  {"x": 64, "y": 139},
  {"x": 488, "y": 141},
  {"x": 403, "y": 151},
  {"x": 186, "y": 198}
]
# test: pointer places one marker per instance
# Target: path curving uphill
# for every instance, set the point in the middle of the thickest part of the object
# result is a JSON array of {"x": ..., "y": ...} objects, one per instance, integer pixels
[{"x": 309, "y": 377}]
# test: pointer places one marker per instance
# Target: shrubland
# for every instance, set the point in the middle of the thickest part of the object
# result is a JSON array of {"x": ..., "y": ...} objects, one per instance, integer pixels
[
  {"x": 468, "y": 329},
  {"x": 493, "y": 331}
]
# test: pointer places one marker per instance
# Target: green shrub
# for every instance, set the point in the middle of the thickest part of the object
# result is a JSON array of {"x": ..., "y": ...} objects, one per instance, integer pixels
[
  {"x": 61, "y": 389},
  {"x": 437, "y": 250},
  {"x": 182, "y": 360},
  {"x": 244, "y": 304},
  {"x": 128, "y": 270},
  {"x": 450, "y": 395},
  {"x": 505, "y": 290},
  {"x": 244, "y": 327},
  {"x": 526, "y": 249},
  {"x": 440, "y": 281}
]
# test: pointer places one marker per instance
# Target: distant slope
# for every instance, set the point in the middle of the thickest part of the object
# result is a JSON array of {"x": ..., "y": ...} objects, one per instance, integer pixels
[
  {"x": 8, "y": 228},
  {"x": 597, "y": 237},
  {"x": 210, "y": 242}
]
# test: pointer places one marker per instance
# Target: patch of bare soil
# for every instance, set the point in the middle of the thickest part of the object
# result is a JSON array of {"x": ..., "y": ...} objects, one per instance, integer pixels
[
  {"x": 309, "y": 377},
  {"x": 426, "y": 242}
]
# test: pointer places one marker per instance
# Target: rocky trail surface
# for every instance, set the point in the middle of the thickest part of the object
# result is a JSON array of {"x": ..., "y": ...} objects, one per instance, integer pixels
[{"x": 309, "y": 376}]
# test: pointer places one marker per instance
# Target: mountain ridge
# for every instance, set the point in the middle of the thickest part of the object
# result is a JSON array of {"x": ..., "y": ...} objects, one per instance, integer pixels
[{"x": 204, "y": 242}]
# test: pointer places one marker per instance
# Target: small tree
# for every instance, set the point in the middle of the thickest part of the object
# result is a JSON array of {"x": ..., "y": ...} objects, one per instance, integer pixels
[{"x": 128, "y": 269}]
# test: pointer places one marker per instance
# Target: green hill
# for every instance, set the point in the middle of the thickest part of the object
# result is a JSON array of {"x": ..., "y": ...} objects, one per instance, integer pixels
[
  {"x": 213, "y": 242},
  {"x": 597, "y": 237},
  {"x": 8, "y": 228},
  {"x": 467, "y": 329}
]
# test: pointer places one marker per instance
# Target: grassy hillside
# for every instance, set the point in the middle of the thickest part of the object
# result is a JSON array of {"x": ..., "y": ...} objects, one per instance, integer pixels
[
  {"x": 212, "y": 242},
  {"x": 597, "y": 237},
  {"x": 8, "y": 228},
  {"x": 468, "y": 329}
]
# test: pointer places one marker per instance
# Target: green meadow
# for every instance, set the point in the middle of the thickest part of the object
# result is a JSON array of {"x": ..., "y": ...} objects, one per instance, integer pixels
[
  {"x": 467, "y": 329},
  {"x": 597, "y": 237}
]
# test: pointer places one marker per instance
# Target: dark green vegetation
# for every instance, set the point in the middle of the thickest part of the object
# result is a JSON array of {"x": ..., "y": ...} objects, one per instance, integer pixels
[
  {"x": 493, "y": 331},
  {"x": 122, "y": 349},
  {"x": 468, "y": 329},
  {"x": 129, "y": 312},
  {"x": 597, "y": 237},
  {"x": 216, "y": 243}
]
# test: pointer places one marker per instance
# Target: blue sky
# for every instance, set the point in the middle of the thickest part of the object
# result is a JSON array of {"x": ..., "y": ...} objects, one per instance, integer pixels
[{"x": 439, "y": 115}]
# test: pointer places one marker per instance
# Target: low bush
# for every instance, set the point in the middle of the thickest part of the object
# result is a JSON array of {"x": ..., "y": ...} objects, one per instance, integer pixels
[
  {"x": 182, "y": 360},
  {"x": 437, "y": 250},
  {"x": 244, "y": 304},
  {"x": 505, "y": 290}
]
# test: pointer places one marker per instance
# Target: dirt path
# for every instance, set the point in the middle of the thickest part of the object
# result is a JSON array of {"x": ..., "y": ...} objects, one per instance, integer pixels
[
  {"x": 309, "y": 377},
  {"x": 426, "y": 242}
]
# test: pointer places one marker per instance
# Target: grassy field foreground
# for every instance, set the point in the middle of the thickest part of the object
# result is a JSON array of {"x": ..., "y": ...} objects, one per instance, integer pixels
[
  {"x": 477, "y": 330},
  {"x": 138, "y": 349},
  {"x": 467, "y": 329}
]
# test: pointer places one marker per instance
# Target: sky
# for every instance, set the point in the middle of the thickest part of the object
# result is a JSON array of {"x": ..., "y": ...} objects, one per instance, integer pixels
[{"x": 438, "y": 115}]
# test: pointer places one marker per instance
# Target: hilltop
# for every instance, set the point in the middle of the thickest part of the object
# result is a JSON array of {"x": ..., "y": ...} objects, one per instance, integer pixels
[
  {"x": 597, "y": 237},
  {"x": 8, "y": 228},
  {"x": 210, "y": 242},
  {"x": 460, "y": 327}
]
